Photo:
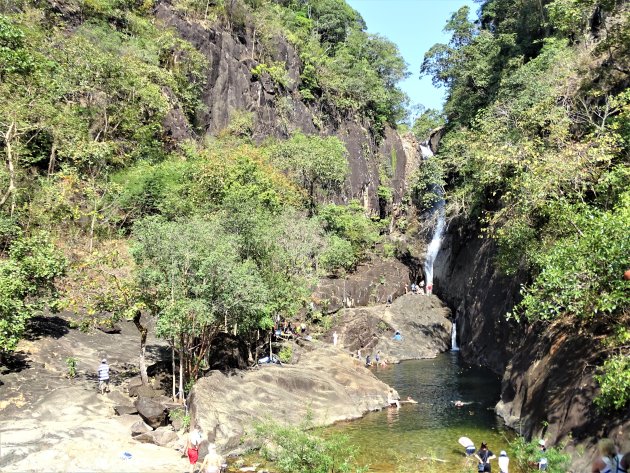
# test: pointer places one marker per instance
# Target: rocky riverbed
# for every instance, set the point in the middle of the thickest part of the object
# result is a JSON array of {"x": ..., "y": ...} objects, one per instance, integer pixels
[{"x": 51, "y": 422}]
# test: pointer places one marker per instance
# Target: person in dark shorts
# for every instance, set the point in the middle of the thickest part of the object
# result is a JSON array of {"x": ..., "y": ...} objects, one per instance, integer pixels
[{"x": 484, "y": 456}]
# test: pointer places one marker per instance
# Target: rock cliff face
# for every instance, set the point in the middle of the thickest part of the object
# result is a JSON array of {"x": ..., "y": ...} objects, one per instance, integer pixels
[
  {"x": 548, "y": 386},
  {"x": 466, "y": 279},
  {"x": 422, "y": 321},
  {"x": 279, "y": 110}
]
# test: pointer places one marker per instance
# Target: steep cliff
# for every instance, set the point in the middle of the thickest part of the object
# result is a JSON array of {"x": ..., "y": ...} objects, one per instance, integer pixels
[{"x": 279, "y": 109}]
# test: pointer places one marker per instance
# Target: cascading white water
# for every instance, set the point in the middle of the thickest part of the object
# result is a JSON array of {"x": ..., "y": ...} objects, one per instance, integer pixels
[
  {"x": 454, "y": 346},
  {"x": 440, "y": 222}
]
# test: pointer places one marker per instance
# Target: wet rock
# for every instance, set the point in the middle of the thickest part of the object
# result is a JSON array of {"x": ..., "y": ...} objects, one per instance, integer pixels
[
  {"x": 124, "y": 410},
  {"x": 152, "y": 412},
  {"x": 327, "y": 384}
]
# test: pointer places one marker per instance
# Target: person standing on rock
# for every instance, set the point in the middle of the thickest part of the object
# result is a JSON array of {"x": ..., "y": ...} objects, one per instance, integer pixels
[
  {"x": 103, "y": 376},
  {"x": 335, "y": 336},
  {"x": 192, "y": 447}
]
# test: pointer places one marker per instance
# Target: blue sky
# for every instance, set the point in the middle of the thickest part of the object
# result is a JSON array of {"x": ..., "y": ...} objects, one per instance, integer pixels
[{"x": 415, "y": 26}]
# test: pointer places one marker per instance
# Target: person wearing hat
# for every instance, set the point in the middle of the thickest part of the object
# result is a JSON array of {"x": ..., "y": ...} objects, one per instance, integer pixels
[
  {"x": 212, "y": 462},
  {"x": 103, "y": 376},
  {"x": 484, "y": 456},
  {"x": 504, "y": 462}
]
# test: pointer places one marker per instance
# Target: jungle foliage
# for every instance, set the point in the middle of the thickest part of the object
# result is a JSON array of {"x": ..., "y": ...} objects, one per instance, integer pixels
[
  {"x": 537, "y": 152},
  {"x": 205, "y": 234}
]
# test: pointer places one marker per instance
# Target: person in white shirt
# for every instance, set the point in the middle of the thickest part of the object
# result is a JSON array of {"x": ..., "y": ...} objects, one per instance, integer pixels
[{"x": 504, "y": 462}]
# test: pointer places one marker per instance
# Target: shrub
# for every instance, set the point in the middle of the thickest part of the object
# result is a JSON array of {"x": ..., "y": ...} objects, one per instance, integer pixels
[
  {"x": 296, "y": 450},
  {"x": 338, "y": 255},
  {"x": 614, "y": 383},
  {"x": 527, "y": 454},
  {"x": 286, "y": 354}
]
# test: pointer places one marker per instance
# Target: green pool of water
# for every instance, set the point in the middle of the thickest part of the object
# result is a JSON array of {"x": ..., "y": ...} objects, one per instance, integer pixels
[{"x": 394, "y": 440}]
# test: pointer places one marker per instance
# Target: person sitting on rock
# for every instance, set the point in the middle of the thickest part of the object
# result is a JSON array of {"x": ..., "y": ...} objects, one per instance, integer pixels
[
  {"x": 212, "y": 462},
  {"x": 607, "y": 460},
  {"x": 103, "y": 376},
  {"x": 389, "y": 301},
  {"x": 397, "y": 336}
]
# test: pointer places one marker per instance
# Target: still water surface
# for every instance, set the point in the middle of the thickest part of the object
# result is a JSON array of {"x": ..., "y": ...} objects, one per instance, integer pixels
[{"x": 394, "y": 440}]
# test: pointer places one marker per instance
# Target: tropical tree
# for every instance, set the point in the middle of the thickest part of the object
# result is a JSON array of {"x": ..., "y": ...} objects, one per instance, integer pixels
[
  {"x": 319, "y": 164},
  {"x": 190, "y": 276}
]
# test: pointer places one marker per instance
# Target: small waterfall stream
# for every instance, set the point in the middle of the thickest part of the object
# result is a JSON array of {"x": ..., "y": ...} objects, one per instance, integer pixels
[
  {"x": 437, "y": 213},
  {"x": 454, "y": 346}
]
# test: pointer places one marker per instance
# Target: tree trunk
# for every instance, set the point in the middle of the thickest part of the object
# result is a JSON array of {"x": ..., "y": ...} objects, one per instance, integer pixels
[
  {"x": 143, "y": 344},
  {"x": 173, "y": 369},
  {"x": 8, "y": 139},
  {"x": 53, "y": 158},
  {"x": 181, "y": 374}
]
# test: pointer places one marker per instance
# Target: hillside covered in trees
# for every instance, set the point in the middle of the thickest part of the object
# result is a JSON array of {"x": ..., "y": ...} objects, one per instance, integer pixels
[
  {"x": 115, "y": 189},
  {"x": 205, "y": 162},
  {"x": 537, "y": 152}
]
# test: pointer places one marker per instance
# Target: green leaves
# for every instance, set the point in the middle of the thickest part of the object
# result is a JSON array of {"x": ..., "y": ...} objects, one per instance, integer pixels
[
  {"x": 318, "y": 164},
  {"x": 614, "y": 383},
  {"x": 581, "y": 274},
  {"x": 26, "y": 284},
  {"x": 298, "y": 450}
]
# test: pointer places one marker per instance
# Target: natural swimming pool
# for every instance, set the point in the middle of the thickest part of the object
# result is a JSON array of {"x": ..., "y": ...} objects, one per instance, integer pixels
[{"x": 394, "y": 440}]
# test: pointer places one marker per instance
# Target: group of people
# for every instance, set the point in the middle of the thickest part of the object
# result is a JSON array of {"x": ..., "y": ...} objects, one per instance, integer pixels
[
  {"x": 609, "y": 459},
  {"x": 371, "y": 360},
  {"x": 485, "y": 455}
]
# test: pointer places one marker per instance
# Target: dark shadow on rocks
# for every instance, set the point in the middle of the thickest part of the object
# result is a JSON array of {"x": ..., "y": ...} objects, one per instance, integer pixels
[
  {"x": 159, "y": 352},
  {"x": 42, "y": 326},
  {"x": 13, "y": 362}
]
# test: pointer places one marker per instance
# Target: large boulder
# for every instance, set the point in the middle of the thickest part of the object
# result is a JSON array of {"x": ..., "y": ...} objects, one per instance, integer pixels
[
  {"x": 371, "y": 284},
  {"x": 162, "y": 436},
  {"x": 327, "y": 384},
  {"x": 139, "y": 427},
  {"x": 125, "y": 410},
  {"x": 151, "y": 411},
  {"x": 422, "y": 321}
]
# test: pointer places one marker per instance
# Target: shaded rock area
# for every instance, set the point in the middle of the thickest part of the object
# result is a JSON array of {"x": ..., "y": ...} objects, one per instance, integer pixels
[
  {"x": 548, "y": 386},
  {"x": 552, "y": 380},
  {"x": 228, "y": 352},
  {"x": 49, "y": 422},
  {"x": 370, "y": 284},
  {"x": 422, "y": 321},
  {"x": 467, "y": 280},
  {"x": 327, "y": 384}
]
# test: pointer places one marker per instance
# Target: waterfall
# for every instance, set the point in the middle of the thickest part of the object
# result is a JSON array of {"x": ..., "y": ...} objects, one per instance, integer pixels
[
  {"x": 440, "y": 222},
  {"x": 454, "y": 346}
]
